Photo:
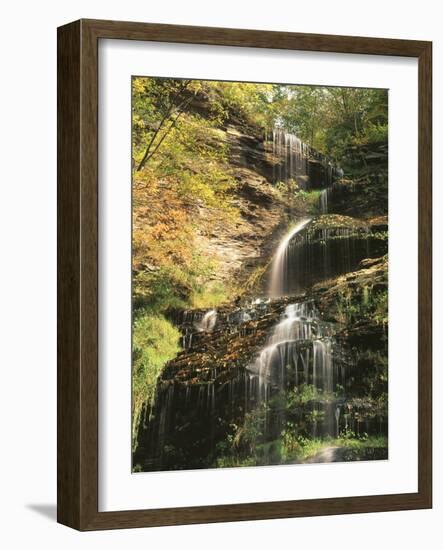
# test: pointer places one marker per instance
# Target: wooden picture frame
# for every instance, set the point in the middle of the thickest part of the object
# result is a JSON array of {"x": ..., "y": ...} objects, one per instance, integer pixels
[{"x": 78, "y": 274}]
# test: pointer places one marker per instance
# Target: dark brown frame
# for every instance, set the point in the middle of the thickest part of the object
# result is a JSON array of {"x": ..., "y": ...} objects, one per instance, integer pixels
[{"x": 77, "y": 455}]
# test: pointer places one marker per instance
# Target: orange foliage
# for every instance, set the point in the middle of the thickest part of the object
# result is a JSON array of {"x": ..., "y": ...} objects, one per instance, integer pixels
[{"x": 163, "y": 232}]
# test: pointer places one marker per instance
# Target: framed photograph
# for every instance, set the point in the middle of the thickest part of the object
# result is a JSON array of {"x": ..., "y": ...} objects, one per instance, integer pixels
[{"x": 244, "y": 275}]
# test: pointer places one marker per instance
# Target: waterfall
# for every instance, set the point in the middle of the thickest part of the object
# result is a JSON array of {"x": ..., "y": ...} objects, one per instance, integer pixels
[
  {"x": 292, "y": 162},
  {"x": 292, "y": 154},
  {"x": 322, "y": 364},
  {"x": 295, "y": 325},
  {"x": 323, "y": 201},
  {"x": 208, "y": 321},
  {"x": 299, "y": 351},
  {"x": 310, "y": 254},
  {"x": 279, "y": 264}
]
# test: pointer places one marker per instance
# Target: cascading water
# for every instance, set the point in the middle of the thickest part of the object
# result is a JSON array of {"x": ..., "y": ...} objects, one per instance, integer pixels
[
  {"x": 293, "y": 155},
  {"x": 298, "y": 161},
  {"x": 208, "y": 321},
  {"x": 279, "y": 270},
  {"x": 307, "y": 255},
  {"x": 323, "y": 201},
  {"x": 299, "y": 351}
]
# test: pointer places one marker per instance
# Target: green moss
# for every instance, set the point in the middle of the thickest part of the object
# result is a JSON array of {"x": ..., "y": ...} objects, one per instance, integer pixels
[
  {"x": 155, "y": 341},
  {"x": 336, "y": 221}
]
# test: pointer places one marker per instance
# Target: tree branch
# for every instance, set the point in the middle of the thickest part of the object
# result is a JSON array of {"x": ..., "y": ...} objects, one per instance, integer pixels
[{"x": 169, "y": 112}]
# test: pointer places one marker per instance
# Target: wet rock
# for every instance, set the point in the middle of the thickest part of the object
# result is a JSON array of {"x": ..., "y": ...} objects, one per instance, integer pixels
[
  {"x": 237, "y": 336},
  {"x": 364, "y": 198}
]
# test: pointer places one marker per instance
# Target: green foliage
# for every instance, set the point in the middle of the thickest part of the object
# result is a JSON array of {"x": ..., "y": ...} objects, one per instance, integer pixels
[
  {"x": 301, "y": 408},
  {"x": 175, "y": 286},
  {"x": 335, "y": 120},
  {"x": 306, "y": 393},
  {"x": 294, "y": 448},
  {"x": 367, "y": 303},
  {"x": 179, "y": 145},
  {"x": 297, "y": 448},
  {"x": 373, "y": 133},
  {"x": 305, "y": 113},
  {"x": 209, "y": 295},
  {"x": 380, "y": 307},
  {"x": 247, "y": 437},
  {"x": 307, "y": 201},
  {"x": 157, "y": 106},
  {"x": 299, "y": 199},
  {"x": 252, "y": 102},
  {"x": 154, "y": 342}
]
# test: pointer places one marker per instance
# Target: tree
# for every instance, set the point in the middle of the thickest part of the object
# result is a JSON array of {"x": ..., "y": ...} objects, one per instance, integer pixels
[
  {"x": 305, "y": 113},
  {"x": 157, "y": 106}
]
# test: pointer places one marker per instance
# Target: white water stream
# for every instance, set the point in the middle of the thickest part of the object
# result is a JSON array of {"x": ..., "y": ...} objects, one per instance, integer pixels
[{"x": 278, "y": 271}]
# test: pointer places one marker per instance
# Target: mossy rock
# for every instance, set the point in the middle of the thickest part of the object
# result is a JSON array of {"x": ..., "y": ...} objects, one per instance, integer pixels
[{"x": 336, "y": 221}]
